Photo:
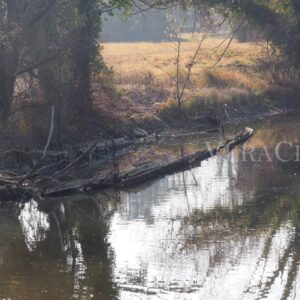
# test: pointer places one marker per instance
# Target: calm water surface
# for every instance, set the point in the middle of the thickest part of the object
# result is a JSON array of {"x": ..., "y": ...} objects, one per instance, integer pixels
[{"x": 229, "y": 229}]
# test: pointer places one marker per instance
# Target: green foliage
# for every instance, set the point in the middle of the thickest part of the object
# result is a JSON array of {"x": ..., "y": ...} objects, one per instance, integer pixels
[{"x": 283, "y": 7}]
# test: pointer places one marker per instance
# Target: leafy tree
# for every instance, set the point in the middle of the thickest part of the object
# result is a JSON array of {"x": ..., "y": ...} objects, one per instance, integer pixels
[
  {"x": 54, "y": 42},
  {"x": 278, "y": 19}
]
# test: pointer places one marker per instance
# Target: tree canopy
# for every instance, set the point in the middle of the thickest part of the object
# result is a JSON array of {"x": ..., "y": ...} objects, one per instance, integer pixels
[
  {"x": 279, "y": 20},
  {"x": 51, "y": 41},
  {"x": 55, "y": 43}
]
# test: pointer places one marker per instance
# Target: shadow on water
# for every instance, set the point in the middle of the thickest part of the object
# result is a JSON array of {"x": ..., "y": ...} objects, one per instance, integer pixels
[
  {"x": 229, "y": 228},
  {"x": 59, "y": 254}
]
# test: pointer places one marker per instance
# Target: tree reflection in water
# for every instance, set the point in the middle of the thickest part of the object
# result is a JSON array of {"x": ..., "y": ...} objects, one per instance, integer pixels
[
  {"x": 58, "y": 254},
  {"x": 226, "y": 229}
]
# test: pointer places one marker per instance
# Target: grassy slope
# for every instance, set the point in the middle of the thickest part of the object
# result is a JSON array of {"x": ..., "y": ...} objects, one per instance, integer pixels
[{"x": 142, "y": 80}]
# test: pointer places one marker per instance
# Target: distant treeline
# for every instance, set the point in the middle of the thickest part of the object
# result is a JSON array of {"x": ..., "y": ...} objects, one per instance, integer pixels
[
  {"x": 152, "y": 26},
  {"x": 149, "y": 26}
]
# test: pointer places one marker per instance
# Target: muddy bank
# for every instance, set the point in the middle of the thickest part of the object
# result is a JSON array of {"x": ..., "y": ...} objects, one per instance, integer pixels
[
  {"x": 144, "y": 136},
  {"x": 202, "y": 119}
]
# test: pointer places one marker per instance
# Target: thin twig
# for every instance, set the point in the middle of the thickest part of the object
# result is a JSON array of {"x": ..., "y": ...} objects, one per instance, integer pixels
[
  {"x": 229, "y": 43},
  {"x": 192, "y": 63},
  {"x": 50, "y": 132}
]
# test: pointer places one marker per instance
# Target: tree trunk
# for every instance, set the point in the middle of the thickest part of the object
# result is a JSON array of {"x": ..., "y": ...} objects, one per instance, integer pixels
[
  {"x": 7, "y": 83},
  {"x": 9, "y": 58},
  {"x": 8, "y": 69},
  {"x": 50, "y": 83},
  {"x": 84, "y": 53}
]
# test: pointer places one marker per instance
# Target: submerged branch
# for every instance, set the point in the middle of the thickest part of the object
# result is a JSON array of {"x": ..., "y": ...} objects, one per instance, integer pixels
[{"x": 140, "y": 174}]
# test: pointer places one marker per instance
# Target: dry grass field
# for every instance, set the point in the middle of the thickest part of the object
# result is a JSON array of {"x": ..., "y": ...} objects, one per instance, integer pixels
[
  {"x": 138, "y": 64},
  {"x": 132, "y": 59},
  {"x": 144, "y": 74}
]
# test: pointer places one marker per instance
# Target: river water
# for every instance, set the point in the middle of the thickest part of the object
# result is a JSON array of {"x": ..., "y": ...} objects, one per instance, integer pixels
[{"x": 229, "y": 229}]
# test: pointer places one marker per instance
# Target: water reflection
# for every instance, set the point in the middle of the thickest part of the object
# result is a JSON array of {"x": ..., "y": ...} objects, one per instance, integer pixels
[
  {"x": 58, "y": 254},
  {"x": 229, "y": 228},
  {"x": 35, "y": 224},
  {"x": 226, "y": 229},
  {"x": 203, "y": 240}
]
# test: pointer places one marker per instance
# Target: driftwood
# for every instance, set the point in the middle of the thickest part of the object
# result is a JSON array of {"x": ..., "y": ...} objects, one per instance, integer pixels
[
  {"x": 110, "y": 145},
  {"x": 21, "y": 162},
  {"x": 50, "y": 169},
  {"x": 140, "y": 133},
  {"x": 139, "y": 174},
  {"x": 77, "y": 160},
  {"x": 66, "y": 189},
  {"x": 99, "y": 182},
  {"x": 52, "y": 155},
  {"x": 153, "y": 170},
  {"x": 149, "y": 171}
]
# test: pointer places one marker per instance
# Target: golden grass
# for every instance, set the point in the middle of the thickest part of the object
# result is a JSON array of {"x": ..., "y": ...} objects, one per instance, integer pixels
[
  {"x": 145, "y": 71},
  {"x": 150, "y": 68},
  {"x": 137, "y": 58}
]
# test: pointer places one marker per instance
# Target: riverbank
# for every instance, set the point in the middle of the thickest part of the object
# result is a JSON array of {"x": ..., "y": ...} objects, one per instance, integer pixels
[
  {"x": 136, "y": 96},
  {"x": 145, "y": 82},
  {"x": 114, "y": 132},
  {"x": 199, "y": 112}
]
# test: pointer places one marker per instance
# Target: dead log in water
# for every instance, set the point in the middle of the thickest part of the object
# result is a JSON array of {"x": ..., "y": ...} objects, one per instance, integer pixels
[
  {"x": 13, "y": 193},
  {"x": 155, "y": 170},
  {"x": 152, "y": 170},
  {"x": 138, "y": 175},
  {"x": 98, "y": 182},
  {"x": 149, "y": 170}
]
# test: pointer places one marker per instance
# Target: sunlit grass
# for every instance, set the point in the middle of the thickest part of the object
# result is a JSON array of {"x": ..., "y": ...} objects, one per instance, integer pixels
[
  {"x": 145, "y": 72},
  {"x": 136, "y": 58}
]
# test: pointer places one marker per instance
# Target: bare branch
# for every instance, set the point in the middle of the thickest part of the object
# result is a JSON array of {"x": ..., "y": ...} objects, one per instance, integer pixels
[
  {"x": 229, "y": 43},
  {"x": 50, "y": 133},
  {"x": 78, "y": 159}
]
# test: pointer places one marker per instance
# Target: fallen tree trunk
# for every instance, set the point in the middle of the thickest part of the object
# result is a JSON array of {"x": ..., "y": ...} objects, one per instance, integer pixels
[
  {"x": 147, "y": 171},
  {"x": 138, "y": 175},
  {"x": 142, "y": 174}
]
